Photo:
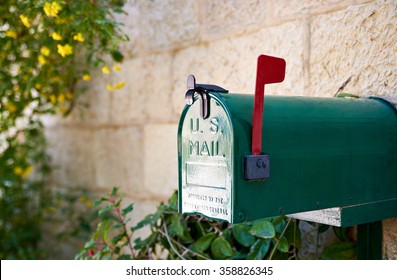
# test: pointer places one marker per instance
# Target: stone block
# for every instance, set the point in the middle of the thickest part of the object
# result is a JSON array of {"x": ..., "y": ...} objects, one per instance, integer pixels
[
  {"x": 147, "y": 94},
  {"x": 71, "y": 150},
  {"x": 356, "y": 47},
  {"x": 390, "y": 239},
  {"x": 292, "y": 9},
  {"x": 231, "y": 62},
  {"x": 118, "y": 159},
  {"x": 91, "y": 107},
  {"x": 160, "y": 160},
  {"x": 224, "y": 18},
  {"x": 313, "y": 242},
  {"x": 160, "y": 25}
]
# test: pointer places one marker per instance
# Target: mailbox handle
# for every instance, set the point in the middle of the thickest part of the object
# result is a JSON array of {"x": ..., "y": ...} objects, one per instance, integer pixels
[
  {"x": 269, "y": 70},
  {"x": 202, "y": 90}
]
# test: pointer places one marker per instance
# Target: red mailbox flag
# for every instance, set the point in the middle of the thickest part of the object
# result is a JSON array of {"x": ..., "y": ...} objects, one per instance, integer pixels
[{"x": 270, "y": 70}]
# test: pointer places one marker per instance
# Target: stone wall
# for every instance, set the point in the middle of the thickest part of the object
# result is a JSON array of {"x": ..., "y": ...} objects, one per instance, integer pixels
[{"x": 128, "y": 137}]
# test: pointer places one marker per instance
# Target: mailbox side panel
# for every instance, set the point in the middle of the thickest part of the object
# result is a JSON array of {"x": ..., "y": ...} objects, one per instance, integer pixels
[{"x": 324, "y": 152}]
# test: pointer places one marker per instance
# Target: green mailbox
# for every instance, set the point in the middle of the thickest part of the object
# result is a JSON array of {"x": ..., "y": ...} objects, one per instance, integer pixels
[{"x": 329, "y": 160}]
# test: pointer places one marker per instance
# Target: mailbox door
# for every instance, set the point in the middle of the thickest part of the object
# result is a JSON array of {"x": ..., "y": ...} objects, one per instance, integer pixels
[{"x": 205, "y": 161}]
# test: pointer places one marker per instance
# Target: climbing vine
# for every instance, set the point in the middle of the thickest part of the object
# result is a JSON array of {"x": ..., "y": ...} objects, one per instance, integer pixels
[{"x": 49, "y": 51}]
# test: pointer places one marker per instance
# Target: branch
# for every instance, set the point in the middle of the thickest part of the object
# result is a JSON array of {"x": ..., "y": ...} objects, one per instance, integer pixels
[
  {"x": 172, "y": 246},
  {"x": 279, "y": 239}
]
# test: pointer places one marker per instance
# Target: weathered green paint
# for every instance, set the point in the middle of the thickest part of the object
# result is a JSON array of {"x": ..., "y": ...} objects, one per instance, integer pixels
[{"x": 324, "y": 152}]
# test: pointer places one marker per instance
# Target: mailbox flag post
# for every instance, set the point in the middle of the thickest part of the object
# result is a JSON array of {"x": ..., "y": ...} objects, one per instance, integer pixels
[{"x": 270, "y": 70}]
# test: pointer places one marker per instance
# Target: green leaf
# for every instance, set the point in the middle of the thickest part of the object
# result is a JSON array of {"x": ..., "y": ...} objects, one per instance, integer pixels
[
  {"x": 263, "y": 229},
  {"x": 173, "y": 201},
  {"x": 142, "y": 223},
  {"x": 117, "y": 56},
  {"x": 278, "y": 219},
  {"x": 105, "y": 210},
  {"x": 117, "y": 224},
  {"x": 90, "y": 245},
  {"x": 280, "y": 226},
  {"x": 139, "y": 243},
  {"x": 159, "y": 212},
  {"x": 203, "y": 243},
  {"x": 221, "y": 249},
  {"x": 127, "y": 209},
  {"x": 124, "y": 257},
  {"x": 242, "y": 234},
  {"x": 227, "y": 234},
  {"x": 118, "y": 237},
  {"x": 283, "y": 245},
  {"x": 259, "y": 250},
  {"x": 176, "y": 227},
  {"x": 293, "y": 234},
  {"x": 99, "y": 202},
  {"x": 114, "y": 191},
  {"x": 340, "y": 251},
  {"x": 105, "y": 230},
  {"x": 186, "y": 237},
  {"x": 118, "y": 202}
]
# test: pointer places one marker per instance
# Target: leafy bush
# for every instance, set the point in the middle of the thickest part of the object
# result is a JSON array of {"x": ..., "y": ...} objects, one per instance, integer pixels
[
  {"x": 49, "y": 49},
  {"x": 175, "y": 236}
]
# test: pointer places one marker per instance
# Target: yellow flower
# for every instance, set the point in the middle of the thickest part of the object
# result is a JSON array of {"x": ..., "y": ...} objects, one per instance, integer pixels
[
  {"x": 105, "y": 70},
  {"x": 11, "y": 33},
  {"x": 25, "y": 20},
  {"x": 60, "y": 20},
  {"x": 117, "y": 68},
  {"x": 37, "y": 86},
  {"x": 78, "y": 37},
  {"x": 18, "y": 170},
  {"x": 27, "y": 171},
  {"x": 68, "y": 95},
  {"x": 110, "y": 87},
  {"x": 45, "y": 51},
  {"x": 119, "y": 85},
  {"x": 53, "y": 98},
  {"x": 65, "y": 50},
  {"x": 56, "y": 36},
  {"x": 42, "y": 59},
  {"x": 63, "y": 110},
  {"x": 61, "y": 98},
  {"x": 86, "y": 77},
  {"x": 55, "y": 79},
  {"x": 10, "y": 107},
  {"x": 52, "y": 9}
]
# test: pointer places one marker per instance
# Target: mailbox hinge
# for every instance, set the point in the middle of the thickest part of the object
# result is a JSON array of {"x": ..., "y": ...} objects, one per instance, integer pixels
[{"x": 202, "y": 90}]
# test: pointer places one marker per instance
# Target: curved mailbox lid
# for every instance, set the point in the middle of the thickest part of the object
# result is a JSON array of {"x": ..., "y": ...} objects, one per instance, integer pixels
[{"x": 205, "y": 161}]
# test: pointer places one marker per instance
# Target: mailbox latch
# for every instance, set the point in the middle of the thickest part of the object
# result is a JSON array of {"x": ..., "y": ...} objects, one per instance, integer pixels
[
  {"x": 256, "y": 167},
  {"x": 202, "y": 90}
]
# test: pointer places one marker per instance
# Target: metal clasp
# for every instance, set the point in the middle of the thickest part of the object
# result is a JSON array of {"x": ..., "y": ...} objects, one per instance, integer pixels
[{"x": 202, "y": 90}]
